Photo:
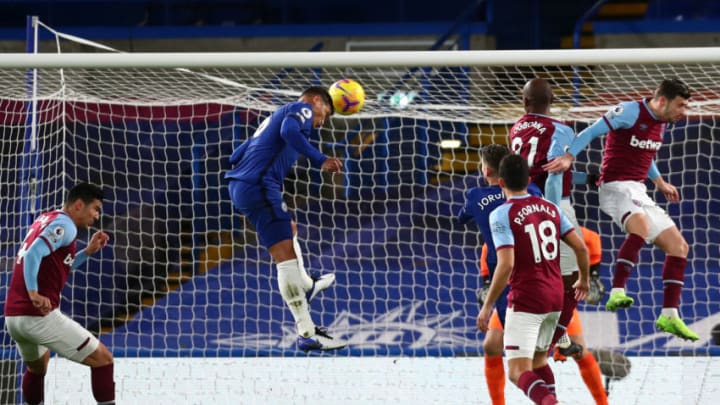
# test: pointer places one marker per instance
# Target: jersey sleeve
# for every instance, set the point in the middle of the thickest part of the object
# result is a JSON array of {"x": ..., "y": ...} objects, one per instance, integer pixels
[
  {"x": 295, "y": 130},
  {"x": 31, "y": 263},
  {"x": 565, "y": 224},
  {"x": 58, "y": 233},
  {"x": 464, "y": 216},
  {"x": 622, "y": 115},
  {"x": 500, "y": 228},
  {"x": 560, "y": 141}
]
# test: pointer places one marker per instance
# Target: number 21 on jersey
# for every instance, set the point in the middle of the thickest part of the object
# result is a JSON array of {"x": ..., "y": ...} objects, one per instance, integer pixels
[{"x": 517, "y": 144}]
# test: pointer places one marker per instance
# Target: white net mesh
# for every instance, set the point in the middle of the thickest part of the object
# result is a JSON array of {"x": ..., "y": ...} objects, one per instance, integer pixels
[{"x": 184, "y": 275}]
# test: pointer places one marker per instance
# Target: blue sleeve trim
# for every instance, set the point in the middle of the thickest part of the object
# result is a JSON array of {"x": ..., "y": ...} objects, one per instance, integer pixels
[
  {"x": 31, "y": 263},
  {"x": 583, "y": 139},
  {"x": 553, "y": 187},
  {"x": 579, "y": 177},
  {"x": 561, "y": 140},
  {"x": 80, "y": 258},
  {"x": 653, "y": 172}
]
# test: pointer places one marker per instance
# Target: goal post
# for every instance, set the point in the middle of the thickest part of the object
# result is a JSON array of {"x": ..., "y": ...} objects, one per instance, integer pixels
[{"x": 184, "y": 275}]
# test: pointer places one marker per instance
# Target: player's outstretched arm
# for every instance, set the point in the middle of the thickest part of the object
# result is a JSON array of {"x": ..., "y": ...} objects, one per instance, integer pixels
[{"x": 581, "y": 141}]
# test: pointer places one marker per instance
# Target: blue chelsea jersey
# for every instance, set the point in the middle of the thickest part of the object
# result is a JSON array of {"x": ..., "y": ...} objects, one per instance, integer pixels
[
  {"x": 267, "y": 156},
  {"x": 479, "y": 203}
]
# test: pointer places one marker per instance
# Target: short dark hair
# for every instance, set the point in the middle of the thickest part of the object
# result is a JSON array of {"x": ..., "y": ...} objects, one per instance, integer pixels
[
  {"x": 492, "y": 155},
  {"x": 84, "y": 191},
  {"x": 671, "y": 88},
  {"x": 322, "y": 92},
  {"x": 515, "y": 172}
]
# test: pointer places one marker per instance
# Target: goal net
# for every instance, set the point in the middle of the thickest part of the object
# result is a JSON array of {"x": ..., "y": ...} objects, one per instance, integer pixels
[{"x": 184, "y": 275}]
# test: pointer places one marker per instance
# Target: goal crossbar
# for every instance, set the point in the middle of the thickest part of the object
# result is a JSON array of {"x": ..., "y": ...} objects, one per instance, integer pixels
[{"x": 362, "y": 59}]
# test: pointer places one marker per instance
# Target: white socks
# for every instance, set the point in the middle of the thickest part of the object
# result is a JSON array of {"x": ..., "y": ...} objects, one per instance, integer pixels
[
  {"x": 292, "y": 281},
  {"x": 670, "y": 312},
  {"x": 307, "y": 281}
]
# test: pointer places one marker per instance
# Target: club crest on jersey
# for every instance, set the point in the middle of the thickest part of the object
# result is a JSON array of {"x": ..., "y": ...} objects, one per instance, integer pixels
[
  {"x": 56, "y": 234},
  {"x": 617, "y": 110},
  {"x": 283, "y": 207}
]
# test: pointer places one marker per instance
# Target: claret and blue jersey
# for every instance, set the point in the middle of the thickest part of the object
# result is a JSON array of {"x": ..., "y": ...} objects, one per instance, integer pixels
[{"x": 635, "y": 135}]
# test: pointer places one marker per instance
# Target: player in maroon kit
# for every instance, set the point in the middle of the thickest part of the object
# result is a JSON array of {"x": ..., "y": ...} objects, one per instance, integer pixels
[
  {"x": 527, "y": 231},
  {"x": 539, "y": 138},
  {"x": 635, "y": 133},
  {"x": 32, "y": 314}
]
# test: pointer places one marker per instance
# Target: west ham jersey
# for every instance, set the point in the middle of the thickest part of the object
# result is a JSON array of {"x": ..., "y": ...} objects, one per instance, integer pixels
[
  {"x": 479, "y": 203},
  {"x": 539, "y": 138},
  {"x": 267, "y": 156},
  {"x": 58, "y": 232},
  {"x": 533, "y": 227},
  {"x": 635, "y": 137}
]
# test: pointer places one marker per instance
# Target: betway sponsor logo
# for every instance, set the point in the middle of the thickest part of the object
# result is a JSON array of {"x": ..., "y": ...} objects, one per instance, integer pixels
[{"x": 645, "y": 143}]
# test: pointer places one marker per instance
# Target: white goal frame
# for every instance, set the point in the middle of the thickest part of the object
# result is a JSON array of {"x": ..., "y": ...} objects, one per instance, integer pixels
[{"x": 240, "y": 372}]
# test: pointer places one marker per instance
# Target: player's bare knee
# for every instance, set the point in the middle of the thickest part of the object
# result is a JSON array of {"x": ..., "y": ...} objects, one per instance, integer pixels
[
  {"x": 492, "y": 348},
  {"x": 679, "y": 249},
  {"x": 100, "y": 357},
  {"x": 514, "y": 374},
  {"x": 638, "y": 224},
  {"x": 282, "y": 251},
  {"x": 493, "y": 343}
]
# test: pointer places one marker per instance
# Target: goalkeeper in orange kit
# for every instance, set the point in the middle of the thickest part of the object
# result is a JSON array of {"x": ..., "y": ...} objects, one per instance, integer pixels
[{"x": 589, "y": 368}]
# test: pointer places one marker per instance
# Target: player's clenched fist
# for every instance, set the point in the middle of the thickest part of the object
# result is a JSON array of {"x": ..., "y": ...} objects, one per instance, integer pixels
[{"x": 333, "y": 165}]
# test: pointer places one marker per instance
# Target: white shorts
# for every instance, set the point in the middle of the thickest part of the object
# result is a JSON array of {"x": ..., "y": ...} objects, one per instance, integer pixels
[
  {"x": 34, "y": 335},
  {"x": 620, "y": 199},
  {"x": 527, "y": 333},
  {"x": 568, "y": 261}
]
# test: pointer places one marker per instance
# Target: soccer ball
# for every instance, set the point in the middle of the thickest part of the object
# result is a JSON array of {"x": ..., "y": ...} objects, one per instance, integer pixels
[{"x": 348, "y": 96}]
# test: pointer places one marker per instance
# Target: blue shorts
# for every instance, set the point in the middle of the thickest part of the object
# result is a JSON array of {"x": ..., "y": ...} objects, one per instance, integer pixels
[{"x": 265, "y": 209}]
